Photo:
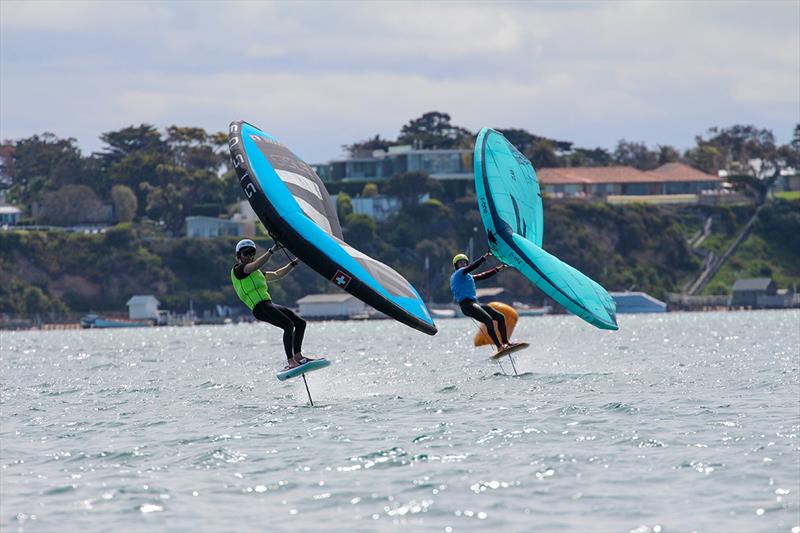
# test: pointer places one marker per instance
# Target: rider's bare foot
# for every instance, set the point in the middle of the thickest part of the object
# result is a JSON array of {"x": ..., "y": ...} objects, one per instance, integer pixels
[
  {"x": 290, "y": 364},
  {"x": 300, "y": 359}
]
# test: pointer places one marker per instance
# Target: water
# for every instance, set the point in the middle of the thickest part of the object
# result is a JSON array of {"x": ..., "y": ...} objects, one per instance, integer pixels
[{"x": 679, "y": 422}]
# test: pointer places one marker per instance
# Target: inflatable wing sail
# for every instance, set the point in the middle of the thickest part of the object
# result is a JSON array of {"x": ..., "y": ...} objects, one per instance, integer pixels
[
  {"x": 291, "y": 201},
  {"x": 510, "y": 203}
]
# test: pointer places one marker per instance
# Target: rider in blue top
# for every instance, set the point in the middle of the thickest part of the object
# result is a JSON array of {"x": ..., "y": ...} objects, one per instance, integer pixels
[{"x": 462, "y": 283}]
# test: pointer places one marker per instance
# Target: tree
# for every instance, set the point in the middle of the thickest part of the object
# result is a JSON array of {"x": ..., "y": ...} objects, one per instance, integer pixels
[
  {"x": 704, "y": 156},
  {"x": 132, "y": 157},
  {"x": 635, "y": 155},
  {"x": 433, "y": 130},
  {"x": 667, "y": 154},
  {"x": 410, "y": 186},
  {"x": 40, "y": 163},
  {"x": 71, "y": 204},
  {"x": 368, "y": 146},
  {"x": 369, "y": 190},
  {"x": 543, "y": 154},
  {"x": 791, "y": 152},
  {"x": 125, "y": 203},
  {"x": 344, "y": 205},
  {"x": 745, "y": 150},
  {"x": 360, "y": 230},
  {"x": 142, "y": 138},
  {"x": 590, "y": 157},
  {"x": 524, "y": 140},
  {"x": 193, "y": 148}
]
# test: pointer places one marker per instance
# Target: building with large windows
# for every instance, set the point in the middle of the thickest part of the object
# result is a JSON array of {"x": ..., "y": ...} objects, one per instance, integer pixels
[
  {"x": 669, "y": 179},
  {"x": 382, "y": 165}
]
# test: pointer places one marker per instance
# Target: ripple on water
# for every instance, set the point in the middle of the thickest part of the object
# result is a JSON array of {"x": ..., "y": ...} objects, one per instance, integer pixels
[{"x": 604, "y": 431}]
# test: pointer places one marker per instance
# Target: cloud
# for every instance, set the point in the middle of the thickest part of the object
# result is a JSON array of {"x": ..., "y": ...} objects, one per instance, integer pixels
[{"x": 329, "y": 73}]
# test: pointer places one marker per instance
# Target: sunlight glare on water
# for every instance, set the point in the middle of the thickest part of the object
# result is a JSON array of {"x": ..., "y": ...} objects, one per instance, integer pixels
[{"x": 677, "y": 422}]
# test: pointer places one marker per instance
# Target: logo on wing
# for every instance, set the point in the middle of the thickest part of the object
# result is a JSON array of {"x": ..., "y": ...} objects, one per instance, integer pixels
[{"x": 341, "y": 279}]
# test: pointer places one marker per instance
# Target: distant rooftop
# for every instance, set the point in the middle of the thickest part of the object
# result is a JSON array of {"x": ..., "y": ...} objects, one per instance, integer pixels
[
  {"x": 328, "y": 298},
  {"x": 141, "y": 298},
  {"x": 752, "y": 284},
  {"x": 681, "y": 172},
  {"x": 674, "y": 172},
  {"x": 489, "y": 291}
]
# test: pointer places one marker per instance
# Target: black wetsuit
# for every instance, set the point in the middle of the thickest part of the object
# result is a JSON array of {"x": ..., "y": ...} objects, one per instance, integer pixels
[
  {"x": 481, "y": 312},
  {"x": 290, "y": 322}
]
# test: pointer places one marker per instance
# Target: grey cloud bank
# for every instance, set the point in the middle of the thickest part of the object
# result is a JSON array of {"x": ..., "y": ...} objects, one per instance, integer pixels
[{"x": 322, "y": 74}]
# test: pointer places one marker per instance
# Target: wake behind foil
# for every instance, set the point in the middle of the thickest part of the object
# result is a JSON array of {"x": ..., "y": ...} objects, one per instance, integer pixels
[
  {"x": 510, "y": 204},
  {"x": 293, "y": 204}
]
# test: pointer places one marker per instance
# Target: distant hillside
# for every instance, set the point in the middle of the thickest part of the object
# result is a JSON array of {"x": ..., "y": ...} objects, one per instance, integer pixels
[
  {"x": 772, "y": 250},
  {"x": 637, "y": 247}
]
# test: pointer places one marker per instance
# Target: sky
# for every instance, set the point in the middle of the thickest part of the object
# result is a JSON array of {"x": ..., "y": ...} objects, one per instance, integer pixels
[{"x": 318, "y": 75}]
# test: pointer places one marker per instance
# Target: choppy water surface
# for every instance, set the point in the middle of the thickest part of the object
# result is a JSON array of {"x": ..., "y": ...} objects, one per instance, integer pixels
[{"x": 677, "y": 422}]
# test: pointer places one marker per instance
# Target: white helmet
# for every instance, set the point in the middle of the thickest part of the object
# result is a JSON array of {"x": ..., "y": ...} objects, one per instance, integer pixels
[{"x": 245, "y": 243}]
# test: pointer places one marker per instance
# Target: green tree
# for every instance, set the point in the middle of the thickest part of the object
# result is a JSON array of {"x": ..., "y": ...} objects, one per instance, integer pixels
[
  {"x": 746, "y": 150},
  {"x": 704, "y": 156},
  {"x": 40, "y": 163},
  {"x": 125, "y": 204},
  {"x": 344, "y": 205},
  {"x": 667, "y": 154},
  {"x": 433, "y": 130},
  {"x": 635, "y": 155},
  {"x": 360, "y": 230},
  {"x": 71, "y": 204},
  {"x": 132, "y": 157},
  {"x": 121, "y": 143},
  {"x": 542, "y": 154},
  {"x": 369, "y": 190},
  {"x": 524, "y": 140},
  {"x": 368, "y": 146},
  {"x": 586, "y": 157},
  {"x": 410, "y": 186}
]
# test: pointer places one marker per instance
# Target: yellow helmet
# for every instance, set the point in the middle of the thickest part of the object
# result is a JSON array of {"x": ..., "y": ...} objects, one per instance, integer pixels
[{"x": 459, "y": 257}]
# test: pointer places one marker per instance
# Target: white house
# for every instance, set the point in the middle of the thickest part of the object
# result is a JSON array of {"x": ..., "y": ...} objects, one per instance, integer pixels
[
  {"x": 9, "y": 215},
  {"x": 637, "y": 302},
  {"x": 143, "y": 307},
  {"x": 209, "y": 227},
  {"x": 336, "y": 305},
  {"x": 379, "y": 208}
]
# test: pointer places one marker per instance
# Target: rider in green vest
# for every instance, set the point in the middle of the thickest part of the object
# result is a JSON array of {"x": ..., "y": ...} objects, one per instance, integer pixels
[{"x": 250, "y": 283}]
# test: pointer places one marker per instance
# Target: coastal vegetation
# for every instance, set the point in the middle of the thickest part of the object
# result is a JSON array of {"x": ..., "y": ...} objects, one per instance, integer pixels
[{"x": 144, "y": 183}]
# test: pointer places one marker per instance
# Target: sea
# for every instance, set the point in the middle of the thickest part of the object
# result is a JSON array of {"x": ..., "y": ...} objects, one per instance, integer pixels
[{"x": 676, "y": 422}]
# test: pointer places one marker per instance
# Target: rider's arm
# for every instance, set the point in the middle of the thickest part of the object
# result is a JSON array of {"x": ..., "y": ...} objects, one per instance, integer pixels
[
  {"x": 285, "y": 269},
  {"x": 489, "y": 273},
  {"x": 478, "y": 262},
  {"x": 258, "y": 262}
]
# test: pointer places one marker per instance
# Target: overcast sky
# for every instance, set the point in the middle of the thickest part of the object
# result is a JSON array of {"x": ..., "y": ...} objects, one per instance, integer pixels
[{"x": 321, "y": 74}]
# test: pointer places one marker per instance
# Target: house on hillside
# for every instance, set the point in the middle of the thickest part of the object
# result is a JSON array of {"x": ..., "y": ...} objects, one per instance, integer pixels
[
  {"x": 379, "y": 208},
  {"x": 602, "y": 182},
  {"x": 381, "y": 165},
  {"x": 143, "y": 307},
  {"x": 761, "y": 293},
  {"x": 9, "y": 215},
  {"x": 338, "y": 305},
  {"x": 494, "y": 294},
  {"x": 637, "y": 302},
  {"x": 210, "y": 227},
  {"x": 746, "y": 292}
]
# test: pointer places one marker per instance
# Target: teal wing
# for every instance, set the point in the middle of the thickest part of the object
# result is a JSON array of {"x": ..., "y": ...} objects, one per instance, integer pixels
[
  {"x": 577, "y": 292},
  {"x": 515, "y": 192},
  {"x": 510, "y": 203}
]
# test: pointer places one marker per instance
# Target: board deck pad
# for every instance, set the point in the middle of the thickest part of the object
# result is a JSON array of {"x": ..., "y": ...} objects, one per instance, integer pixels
[
  {"x": 303, "y": 369},
  {"x": 517, "y": 346}
]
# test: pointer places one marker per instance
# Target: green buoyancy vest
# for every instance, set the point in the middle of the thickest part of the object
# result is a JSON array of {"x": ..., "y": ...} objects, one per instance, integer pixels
[{"x": 252, "y": 289}]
